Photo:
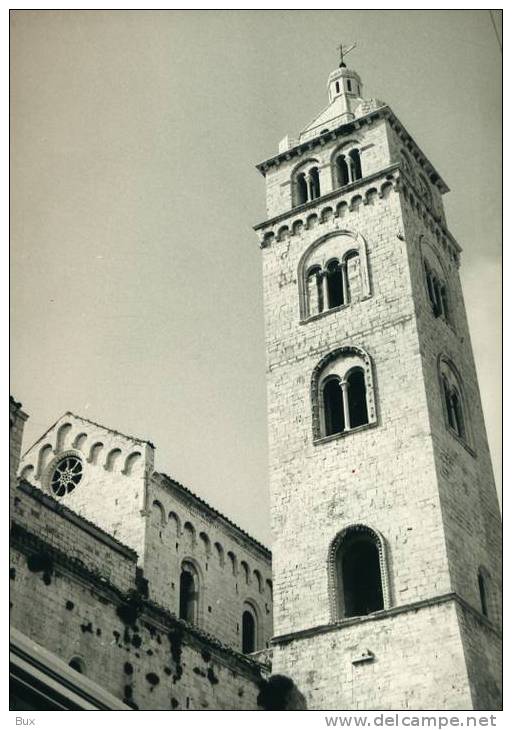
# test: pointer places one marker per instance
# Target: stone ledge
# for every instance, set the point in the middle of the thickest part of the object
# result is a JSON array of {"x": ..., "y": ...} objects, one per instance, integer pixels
[
  {"x": 66, "y": 513},
  {"x": 284, "y": 639}
]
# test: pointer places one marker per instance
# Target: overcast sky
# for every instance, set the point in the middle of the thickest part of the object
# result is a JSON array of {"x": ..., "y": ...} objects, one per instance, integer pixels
[{"x": 136, "y": 293}]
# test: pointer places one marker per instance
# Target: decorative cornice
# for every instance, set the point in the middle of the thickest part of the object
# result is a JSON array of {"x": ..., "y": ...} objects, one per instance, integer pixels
[
  {"x": 206, "y": 510},
  {"x": 381, "y": 615}
]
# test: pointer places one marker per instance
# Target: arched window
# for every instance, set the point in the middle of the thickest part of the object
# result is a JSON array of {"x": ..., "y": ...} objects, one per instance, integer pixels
[
  {"x": 346, "y": 165},
  {"x": 333, "y": 272},
  {"x": 358, "y": 573},
  {"x": 189, "y": 593},
  {"x": 342, "y": 175},
  {"x": 333, "y": 406},
  {"x": 437, "y": 292},
  {"x": 302, "y": 189},
  {"x": 334, "y": 284},
  {"x": 249, "y": 629},
  {"x": 355, "y": 165},
  {"x": 305, "y": 183},
  {"x": 315, "y": 290},
  {"x": 359, "y": 576},
  {"x": 314, "y": 183},
  {"x": 453, "y": 403},
  {"x": 356, "y": 392},
  {"x": 342, "y": 393}
]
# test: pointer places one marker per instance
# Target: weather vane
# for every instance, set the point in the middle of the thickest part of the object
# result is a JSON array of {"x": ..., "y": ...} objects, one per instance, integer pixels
[{"x": 345, "y": 52}]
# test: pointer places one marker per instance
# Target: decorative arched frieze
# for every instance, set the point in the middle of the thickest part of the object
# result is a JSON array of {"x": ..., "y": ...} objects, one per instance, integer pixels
[
  {"x": 130, "y": 462},
  {"x": 94, "y": 452},
  {"x": 158, "y": 508},
  {"x": 43, "y": 459},
  {"x": 113, "y": 456},
  {"x": 62, "y": 434},
  {"x": 79, "y": 441},
  {"x": 174, "y": 521}
]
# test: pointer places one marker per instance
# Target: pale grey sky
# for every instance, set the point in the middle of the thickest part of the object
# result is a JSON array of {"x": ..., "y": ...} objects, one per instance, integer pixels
[{"x": 136, "y": 276}]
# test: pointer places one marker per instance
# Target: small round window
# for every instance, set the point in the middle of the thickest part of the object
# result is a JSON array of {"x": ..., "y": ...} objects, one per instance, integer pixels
[{"x": 66, "y": 475}]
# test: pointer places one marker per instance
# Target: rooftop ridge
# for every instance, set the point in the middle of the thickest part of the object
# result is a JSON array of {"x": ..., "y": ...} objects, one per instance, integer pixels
[{"x": 216, "y": 512}]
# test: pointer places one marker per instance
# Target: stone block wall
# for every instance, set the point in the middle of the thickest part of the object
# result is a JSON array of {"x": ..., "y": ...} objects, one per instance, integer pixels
[
  {"x": 418, "y": 663},
  {"x": 464, "y": 472},
  {"x": 383, "y": 476},
  {"x": 218, "y": 550},
  {"x": 78, "y": 594},
  {"x": 112, "y": 491},
  {"x": 374, "y": 156}
]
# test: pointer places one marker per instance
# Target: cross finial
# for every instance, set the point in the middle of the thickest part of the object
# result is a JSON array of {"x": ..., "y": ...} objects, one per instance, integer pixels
[{"x": 344, "y": 52}]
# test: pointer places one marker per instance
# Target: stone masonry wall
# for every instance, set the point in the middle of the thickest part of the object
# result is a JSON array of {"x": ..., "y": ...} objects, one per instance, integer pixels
[
  {"x": 80, "y": 598},
  {"x": 374, "y": 156},
  {"x": 383, "y": 476},
  {"x": 418, "y": 663},
  {"x": 225, "y": 587},
  {"x": 115, "y": 469},
  {"x": 465, "y": 479}
]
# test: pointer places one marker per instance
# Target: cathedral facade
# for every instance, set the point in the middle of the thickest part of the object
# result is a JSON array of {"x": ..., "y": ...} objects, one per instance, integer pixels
[{"x": 383, "y": 590}]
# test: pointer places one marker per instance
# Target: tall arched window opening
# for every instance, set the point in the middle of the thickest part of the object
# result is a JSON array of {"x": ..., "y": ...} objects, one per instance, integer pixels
[
  {"x": 453, "y": 401},
  {"x": 355, "y": 165},
  {"x": 302, "y": 189},
  {"x": 359, "y": 577},
  {"x": 189, "y": 593},
  {"x": 314, "y": 182},
  {"x": 248, "y": 632},
  {"x": 335, "y": 294},
  {"x": 437, "y": 293},
  {"x": 456, "y": 411},
  {"x": 315, "y": 290},
  {"x": 306, "y": 183},
  {"x": 333, "y": 407},
  {"x": 356, "y": 390},
  {"x": 347, "y": 167},
  {"x": 342, "y": 175}
]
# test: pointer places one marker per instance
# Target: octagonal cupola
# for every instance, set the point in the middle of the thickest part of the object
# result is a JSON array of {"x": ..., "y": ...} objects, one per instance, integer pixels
[{"x": 344, "y": 82}]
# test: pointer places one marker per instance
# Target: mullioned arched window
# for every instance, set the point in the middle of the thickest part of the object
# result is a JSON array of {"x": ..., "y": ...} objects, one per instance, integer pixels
[
  {"x": 332, "y": 273},
  {"x": 346, "y": 164},
  {"x": 454, "y": 407},
  {"x": 305, "y": 183},
  {"x": 342, "y": 393},
  {"x": 437, "y": 292}
]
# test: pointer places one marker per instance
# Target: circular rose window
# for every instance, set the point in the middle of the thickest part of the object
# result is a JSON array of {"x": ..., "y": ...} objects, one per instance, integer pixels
[{"x": 66, "y": 475}]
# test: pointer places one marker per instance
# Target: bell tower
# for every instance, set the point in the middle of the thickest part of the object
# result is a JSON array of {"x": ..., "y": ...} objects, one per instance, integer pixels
[{"x": 385, "y": 519}]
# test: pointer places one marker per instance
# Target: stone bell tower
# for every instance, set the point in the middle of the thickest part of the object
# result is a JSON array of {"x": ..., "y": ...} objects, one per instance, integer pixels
[{"x": 385, "y": 516}]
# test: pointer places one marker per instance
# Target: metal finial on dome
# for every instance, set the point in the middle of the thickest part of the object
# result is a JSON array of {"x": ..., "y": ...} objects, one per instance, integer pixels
[{"x": 344, "y": 53}]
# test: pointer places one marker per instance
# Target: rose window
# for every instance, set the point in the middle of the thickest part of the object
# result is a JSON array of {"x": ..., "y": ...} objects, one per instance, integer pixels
[{"x": 66, "y": 475}]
